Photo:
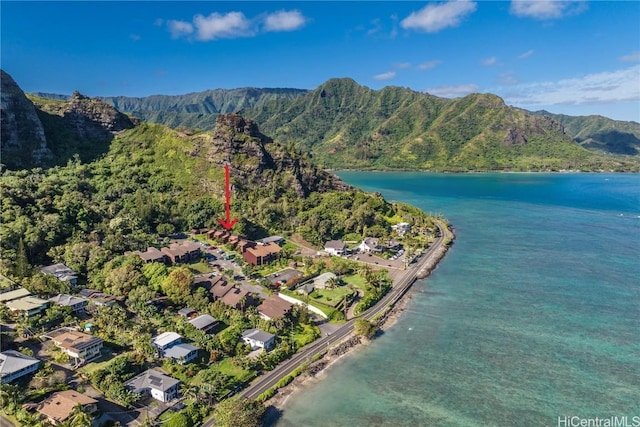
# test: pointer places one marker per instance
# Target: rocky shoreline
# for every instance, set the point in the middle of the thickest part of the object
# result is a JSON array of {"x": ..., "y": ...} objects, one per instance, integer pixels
[{"x": 315, "y": 371}]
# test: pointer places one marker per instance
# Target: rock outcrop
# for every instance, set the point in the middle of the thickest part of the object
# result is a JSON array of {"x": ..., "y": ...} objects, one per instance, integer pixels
[
  {"x": 23, "y": 142},
  {"x": 257, "y": 160},
  {"x": 93, "y": 119}
]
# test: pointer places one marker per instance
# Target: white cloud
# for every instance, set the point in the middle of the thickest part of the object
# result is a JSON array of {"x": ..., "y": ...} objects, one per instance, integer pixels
[
  {"x": 429, "y": 64},
  {"x": 235, "y": 24},
  {"x": 284, "y": 21},
  {"x": 453, "y": 91},
  {"x": 435, "y": 17},
  {"x": 402, "y": 65},
  {"x": 489, "y": 61},
  {"x": 179, "y": 28},
  {"x": 632, "y": 57},
  {"x": 546, "y": 9},
  {"x": 385, "y": 76},
  {"x": 227, "y": 26},
  {"x": 599, "y": 88},
  {"x": 135, "y": 37},
  {"x": 526, "y": 54}
]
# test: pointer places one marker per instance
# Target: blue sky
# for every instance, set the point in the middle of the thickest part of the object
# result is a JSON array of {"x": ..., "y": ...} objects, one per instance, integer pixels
[{"x": 571, "y": 57}]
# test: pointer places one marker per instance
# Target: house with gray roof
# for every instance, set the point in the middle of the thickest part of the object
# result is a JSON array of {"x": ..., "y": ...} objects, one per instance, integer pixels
[
  {"x": 320, "y": 282},
  {"x": 161, "y": 387},
  {"x": 335, "y": 247},
  {"x": 14, "y": 365},
  {"x": 258, "y": 338},
  {"x": 29, "y": 305},
  {"x": 204, "y": 322},
  {"x": 14, "y": 294},
  {"x": 77, "y": 304},
  {"x": 62, "y": 273},
  {"x": 169, "y": 345}
]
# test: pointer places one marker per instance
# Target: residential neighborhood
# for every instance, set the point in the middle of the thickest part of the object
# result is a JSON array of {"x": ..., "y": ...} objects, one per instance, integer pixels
[{"x": 224, "y": 307}]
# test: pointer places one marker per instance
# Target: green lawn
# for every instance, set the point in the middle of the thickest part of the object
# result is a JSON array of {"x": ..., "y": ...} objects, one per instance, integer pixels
[
  {"x": 101, "y": 363},
  {"x": 200, "y": 268},
  {"x": 227, "y": 368},
  {"x": 331, "y": 297},
  {"x": 305, "y": 334},
  {"x": 355, "y": 280}
]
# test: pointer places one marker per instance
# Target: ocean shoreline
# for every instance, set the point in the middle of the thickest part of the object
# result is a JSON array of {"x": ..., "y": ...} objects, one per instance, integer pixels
[{"x": 317, "y": 371}]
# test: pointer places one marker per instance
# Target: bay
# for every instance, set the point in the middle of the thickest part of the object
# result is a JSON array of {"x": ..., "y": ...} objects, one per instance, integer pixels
[{"x": 534, "y": 314}]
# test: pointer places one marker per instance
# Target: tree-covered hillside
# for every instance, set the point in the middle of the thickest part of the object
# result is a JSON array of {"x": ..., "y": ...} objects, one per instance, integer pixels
[
  {"x": 345, "y": 125},
  {"x": 155, "y": 180},
  {"x": 601, "y": 133}
]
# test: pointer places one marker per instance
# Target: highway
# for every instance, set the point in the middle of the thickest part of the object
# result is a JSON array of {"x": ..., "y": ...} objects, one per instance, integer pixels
[{"x": 269, "y": 379}]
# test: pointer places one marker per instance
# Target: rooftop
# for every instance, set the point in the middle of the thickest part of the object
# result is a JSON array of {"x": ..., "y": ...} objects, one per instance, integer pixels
[
  {"x": 14, "y": 294},
  {"x": 27, "y": 303},
  {"x": 274, "y": 307},
  {"x": 264, "y": 250},
  {"x": 67, "y": 300},
  {"x": 179, "y": 351},
  {"x": 166, "y": 338},
  {"x": 60, "y": 405},
  {"x": 203, "y": 321},
  {"x": 71, "y": 339},
  {"x": 151, "y": 379},
  {"x": 12, "y": 361},
  {"x": 258, "y": 335},
  {"x": 335, "y": 244}
]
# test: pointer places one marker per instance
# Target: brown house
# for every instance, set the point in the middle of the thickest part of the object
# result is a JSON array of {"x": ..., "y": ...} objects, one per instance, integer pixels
[
  {"x": 219, "y": 287},
  {"x": 185, "y": 252},
  {"x": 150, "y": 255},
  {"x": 274, "y": 307},
  {"x": 59, "y": 406},
  {"x": 237, "y": 298},
  {"x": 261, "y": 254}
]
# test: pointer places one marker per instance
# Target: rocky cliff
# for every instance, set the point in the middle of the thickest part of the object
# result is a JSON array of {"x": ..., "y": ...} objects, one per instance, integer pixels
[
  {"x": 258, "y": 161},
  {"x": 45, "y": 132},
  {"x": 23, "y": 142}
]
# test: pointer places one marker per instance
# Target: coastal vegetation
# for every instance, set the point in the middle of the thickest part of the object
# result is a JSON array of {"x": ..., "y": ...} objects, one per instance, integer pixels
[{"x": 154, "y": 184}]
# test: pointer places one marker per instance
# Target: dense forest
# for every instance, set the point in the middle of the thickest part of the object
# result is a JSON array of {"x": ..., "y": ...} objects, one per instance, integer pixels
[{"x": 154, "y": 181}]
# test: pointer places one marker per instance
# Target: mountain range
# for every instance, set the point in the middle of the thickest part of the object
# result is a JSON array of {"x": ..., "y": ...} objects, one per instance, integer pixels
[{"x": 342, "y": 124}]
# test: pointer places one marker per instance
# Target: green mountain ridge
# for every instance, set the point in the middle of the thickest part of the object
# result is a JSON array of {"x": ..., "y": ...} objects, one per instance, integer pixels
[{"x": 346, "y": 125}]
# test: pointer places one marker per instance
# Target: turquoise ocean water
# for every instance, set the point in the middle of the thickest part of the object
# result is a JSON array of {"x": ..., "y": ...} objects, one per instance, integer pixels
[{"x": 534, "y": 314}]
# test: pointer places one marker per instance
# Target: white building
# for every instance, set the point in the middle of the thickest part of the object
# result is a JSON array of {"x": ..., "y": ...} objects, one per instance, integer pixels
[
  {"x": 335, "y": 247},
  {"x": 401, "y": 228},
  {"x": 370, "y": 244},
  {"x": 169, "y": 345},
  {"x": 257, "y": 338},
  {"x": 161, "y": 387},
  {"x": 14, "y": 365}
]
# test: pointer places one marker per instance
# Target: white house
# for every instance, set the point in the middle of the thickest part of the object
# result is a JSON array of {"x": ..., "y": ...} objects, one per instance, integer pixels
[
  {"x": 14, "y": 365},
  {"x": 169, "y": 345},
  {"x": 335, "y": 247},
  {"x": 257, "y": 338},
  {"x": 166, "y": 340},
  {"x": 161, "y": 387},
  {"x": 370, "y": 244},
  {"x": 29, "y": 305}
]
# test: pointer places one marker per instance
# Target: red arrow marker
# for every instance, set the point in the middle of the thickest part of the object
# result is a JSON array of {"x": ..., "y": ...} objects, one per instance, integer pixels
[{"x": 227, "y": 223}]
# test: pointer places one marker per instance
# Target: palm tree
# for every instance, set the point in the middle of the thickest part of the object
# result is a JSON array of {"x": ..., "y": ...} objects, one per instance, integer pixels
[
  {"x": 79, "y": 417},
  {"x": 332, "y": 283}
]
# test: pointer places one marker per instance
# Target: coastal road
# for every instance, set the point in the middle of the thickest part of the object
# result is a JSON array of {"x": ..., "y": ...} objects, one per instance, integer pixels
[{"x": 268, "y": 380}]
